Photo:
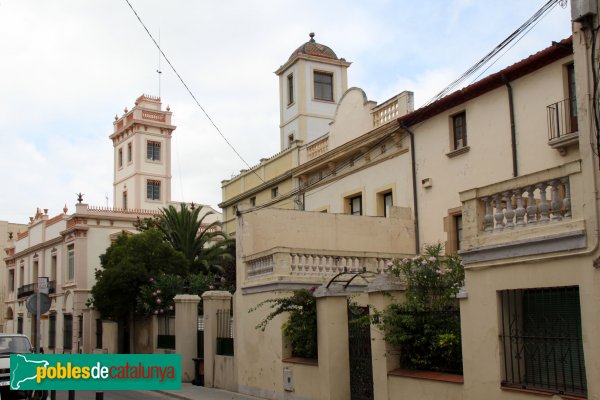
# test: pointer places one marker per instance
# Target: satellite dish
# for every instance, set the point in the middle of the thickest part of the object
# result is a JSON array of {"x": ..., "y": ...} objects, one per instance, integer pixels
[{"x": 31, "y": 303}]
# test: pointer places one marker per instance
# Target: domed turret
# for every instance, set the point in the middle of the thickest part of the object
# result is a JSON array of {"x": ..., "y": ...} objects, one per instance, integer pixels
[{"x": 312, "y": 48}]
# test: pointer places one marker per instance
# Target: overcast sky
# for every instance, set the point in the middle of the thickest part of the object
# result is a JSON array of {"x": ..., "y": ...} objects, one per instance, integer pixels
[{"x": 68, "y": 66}]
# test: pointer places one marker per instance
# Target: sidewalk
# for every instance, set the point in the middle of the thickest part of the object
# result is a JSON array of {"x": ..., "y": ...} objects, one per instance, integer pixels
[{"x": 191, "y": 392}]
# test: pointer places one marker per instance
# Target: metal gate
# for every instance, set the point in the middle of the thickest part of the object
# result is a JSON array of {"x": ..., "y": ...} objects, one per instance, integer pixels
[{"x": 359, "y": 349}]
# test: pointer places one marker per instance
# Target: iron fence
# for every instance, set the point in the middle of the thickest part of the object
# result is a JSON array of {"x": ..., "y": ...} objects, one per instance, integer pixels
[
  {"x": 224, "y": 332},
  {"x": 541, "y": 340},
  {"x": 562, "y": 118}
]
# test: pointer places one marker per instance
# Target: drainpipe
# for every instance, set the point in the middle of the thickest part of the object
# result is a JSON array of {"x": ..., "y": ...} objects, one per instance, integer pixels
[
  {"x": 513, "y": 132},
  {"x": 414, "y": 185}
]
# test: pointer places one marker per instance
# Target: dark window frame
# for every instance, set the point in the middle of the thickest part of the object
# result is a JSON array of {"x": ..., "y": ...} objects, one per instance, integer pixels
[
  {"x": 290, "y": 89},
  {"x": 153, "y": 189},
  {"x": 153, "y": 150},
  {"x": 52, "y": 331},
  {"x": 68, "y": 331},
  {"x": 356, "y": 200},
  {"x": 98, "y": 333},
  {"x": 129, "y": 152},
  {"x": 120, "y": 157},
  {"x": 386, "y": 208},
  {"x": 323, "y": 85},
  {"x": 274, "y": 192},
  {"x": 459, "y": 130}
]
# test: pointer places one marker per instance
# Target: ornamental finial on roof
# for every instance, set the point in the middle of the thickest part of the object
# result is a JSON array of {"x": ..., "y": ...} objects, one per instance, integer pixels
[{"x": 312, "y": 36}]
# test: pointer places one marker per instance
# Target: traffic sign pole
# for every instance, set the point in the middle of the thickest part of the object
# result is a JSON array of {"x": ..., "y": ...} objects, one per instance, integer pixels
[{"x": 42, "y": 287}]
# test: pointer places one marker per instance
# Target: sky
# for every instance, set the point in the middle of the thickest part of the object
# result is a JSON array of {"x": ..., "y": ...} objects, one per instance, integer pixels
[{"x": 67, "y": 67}]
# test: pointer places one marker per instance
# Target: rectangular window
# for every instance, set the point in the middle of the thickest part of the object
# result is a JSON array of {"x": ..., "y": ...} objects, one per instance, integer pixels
[
  {"x": 53, "y": 264},
  {"x": 153, "y": 190},
  {"x": 125, "y": 200},
  {"x": 459, "y": 130},
  {"x": 120, "y": 157},
  {"x": 541, "y": 340},
  {"x": 274, "y": 192},
  {"x": 290, "y": 140},
  {"x": 323, "y": 86},
  {"x": 290, "y": 88},
  {"x": 11, "y": 280},
  {"x": 70, "y": 263},
  {"x": 21, "y": 275},
  {"x": 387, "y": 203},
  {"x": 68, "y": 332},
  {"x": 129, "y": 152},
  {"x": 98, "y": 333},
  {"x": 356, "y": 205},
  {"x": 458, "y": 231},
  {"x": 253, "y": 201},
  {"x": 52, "y": 331},
  {"x": 153, "y": 151},
  {"x": 20, "y": 325}
]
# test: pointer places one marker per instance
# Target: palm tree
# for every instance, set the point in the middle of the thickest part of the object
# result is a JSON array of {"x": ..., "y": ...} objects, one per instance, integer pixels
[{"x": 206, "y": 247}]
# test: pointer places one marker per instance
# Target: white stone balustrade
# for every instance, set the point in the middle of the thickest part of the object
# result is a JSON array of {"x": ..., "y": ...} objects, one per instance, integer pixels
[
  {"x": 541, "y": 203},
  {"x": 317, "y": 148},
  {"x": 386, "y": 113},
  {"x": 313, "y": 264}
]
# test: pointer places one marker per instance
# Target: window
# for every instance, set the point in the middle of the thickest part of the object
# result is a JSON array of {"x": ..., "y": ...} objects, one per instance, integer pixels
[
  {"x": 11, "y": 280},
  {"x": 125, "y": 200},
  {"x": 153, "y": 151},
  {"x": 454, "y": 231},
  {"x": 459, "y": 130},
  {"x": 120, "y": 158},
  {"x": 53, "y": 264},
  {"x": 80, "y": 328},
  {"x": 458, "y": 231},
  {"x": 253, "y": 201},
  {"x": 98, "y": 333},
  {"x": 153, "y": 190},
  {"x": 21, "y": 275},
  {"x": 290, "y": 139},
  {"x": 356, "y": 205},
  {"x": 68, "y": 332},
  {"x": 274, "y": 192},
  {"x": 70, "y": 263},
  {"x": 387, "y": 203},
  {"x": 541, "y": 340},
  {"x": 323, "y": 86},
  {"x": 52, "y": 331},
  {"x": 20, "y": 325},
  {"x": 290, "y": 88},
  {"x": 129, "y": 152}
]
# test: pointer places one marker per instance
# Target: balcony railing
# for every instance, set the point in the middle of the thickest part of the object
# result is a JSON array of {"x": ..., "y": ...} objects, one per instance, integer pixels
[
  {"x": 562, "y": 123},
  {"x": 317, "y": 148},
  {"x": 290, "y": 262},
  {"x": 29, "y": 289}
]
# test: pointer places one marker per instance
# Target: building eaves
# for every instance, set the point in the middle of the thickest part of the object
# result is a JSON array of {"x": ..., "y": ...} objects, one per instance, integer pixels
[{"x": 526, "y": 66}]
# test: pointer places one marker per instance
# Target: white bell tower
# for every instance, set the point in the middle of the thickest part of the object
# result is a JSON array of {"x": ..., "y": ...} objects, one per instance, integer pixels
[{"x": 142, "y": 156}]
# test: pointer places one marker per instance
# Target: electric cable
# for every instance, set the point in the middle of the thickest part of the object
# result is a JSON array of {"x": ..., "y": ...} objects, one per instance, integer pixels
[{"x": 191, "y": 93}]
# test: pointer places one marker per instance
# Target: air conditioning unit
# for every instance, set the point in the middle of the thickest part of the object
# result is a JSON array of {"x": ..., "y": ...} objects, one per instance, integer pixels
[{"x": 581, "y": 9}]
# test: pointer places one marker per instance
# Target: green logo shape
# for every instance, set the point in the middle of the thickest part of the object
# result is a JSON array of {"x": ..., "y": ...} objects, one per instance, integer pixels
[{"x": 95, "y": 371}]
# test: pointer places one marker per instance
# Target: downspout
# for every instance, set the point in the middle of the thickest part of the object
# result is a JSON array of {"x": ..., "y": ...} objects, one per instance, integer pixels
[
  {"x": 414, "y": 185},
  {"x": 513, "y": 131}
]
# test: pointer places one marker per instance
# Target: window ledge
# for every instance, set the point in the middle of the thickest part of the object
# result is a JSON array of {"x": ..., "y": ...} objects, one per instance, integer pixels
[
  {"x": 542, "y": 393},
  {"x": 301, "y": 360},
  {"x": 458, "y": 152},
  {"x": 429, "y": 375},
  {"x": 323, "y": 100}
]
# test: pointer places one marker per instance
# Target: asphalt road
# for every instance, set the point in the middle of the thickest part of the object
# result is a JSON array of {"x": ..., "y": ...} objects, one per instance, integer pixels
[{"x": 112, "y": 395}]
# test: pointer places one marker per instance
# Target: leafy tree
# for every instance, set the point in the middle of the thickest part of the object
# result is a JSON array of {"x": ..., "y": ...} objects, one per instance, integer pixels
[
  {"x": 127, "y": 265},
  {"x": 205, "y": 247}
]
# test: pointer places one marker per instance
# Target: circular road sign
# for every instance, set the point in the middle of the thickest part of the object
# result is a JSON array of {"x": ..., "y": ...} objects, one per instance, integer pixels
[{"x": 31, "y": 303}]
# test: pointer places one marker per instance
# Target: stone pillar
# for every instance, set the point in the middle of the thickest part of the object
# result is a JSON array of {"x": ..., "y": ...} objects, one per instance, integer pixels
[
  {"x": 186, "y": 328},
  {"x": 384, "y": 290},
  {"x": 212, "y": 301},
  {"x": 332, "y": 334}
]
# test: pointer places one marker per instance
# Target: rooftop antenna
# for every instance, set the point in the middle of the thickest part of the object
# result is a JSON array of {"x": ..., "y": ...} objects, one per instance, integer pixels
[{"x": 158, "y": 71}]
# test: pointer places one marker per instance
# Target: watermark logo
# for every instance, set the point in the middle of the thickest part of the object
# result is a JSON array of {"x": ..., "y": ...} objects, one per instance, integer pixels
[{"x": 95, "y": 371}]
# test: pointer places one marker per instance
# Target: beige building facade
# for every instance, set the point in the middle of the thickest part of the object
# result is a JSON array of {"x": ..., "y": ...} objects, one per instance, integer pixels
[{"x": 504, "y": 173}]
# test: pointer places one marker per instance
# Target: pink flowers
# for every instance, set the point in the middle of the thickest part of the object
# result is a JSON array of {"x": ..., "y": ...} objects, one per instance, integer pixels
[{"x": 158, "y": 301}]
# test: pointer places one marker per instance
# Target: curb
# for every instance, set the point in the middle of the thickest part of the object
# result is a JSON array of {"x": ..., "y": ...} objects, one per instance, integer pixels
[{"x": 174, "y": 395}]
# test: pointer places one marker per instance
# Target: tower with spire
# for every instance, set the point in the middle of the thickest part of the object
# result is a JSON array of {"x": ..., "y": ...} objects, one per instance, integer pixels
[{"x": 142, "y": 155}]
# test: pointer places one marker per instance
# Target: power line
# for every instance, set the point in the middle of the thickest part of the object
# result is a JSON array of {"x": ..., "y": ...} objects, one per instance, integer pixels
[
  {"x": 521, "y": 31},
  {"x": 190, "y": 92}
]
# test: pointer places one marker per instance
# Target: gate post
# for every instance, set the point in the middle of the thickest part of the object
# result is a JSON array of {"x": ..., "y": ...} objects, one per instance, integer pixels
[
  {"x": 212, "y": 301},
  {"x": 384, "y": 290},
  {"x": 332, "y": 336},
  {"x": 186, "y": 326}
]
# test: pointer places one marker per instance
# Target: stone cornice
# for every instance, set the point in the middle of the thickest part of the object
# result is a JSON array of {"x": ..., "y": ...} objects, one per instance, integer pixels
[{"x": 34, "y": 248}]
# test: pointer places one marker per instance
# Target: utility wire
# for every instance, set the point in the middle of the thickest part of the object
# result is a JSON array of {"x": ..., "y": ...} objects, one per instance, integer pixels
[
  {"x": 523, "y": 29},
  {"x": 192, "y": 94}
]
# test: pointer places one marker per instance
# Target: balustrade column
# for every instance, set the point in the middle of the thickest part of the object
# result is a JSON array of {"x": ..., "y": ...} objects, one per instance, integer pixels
[
  {"x": 555, "y": 201},
  {"x": 531, "y": 206},
  {"x": 499, "y": 216},
  {"x": 544, "y": 206},
  {"x": 567, "y": 198},
  {"x": 510, "y": 214},
  {"x": 488, "y": 218},
  {"x": 520, "y": 212}
]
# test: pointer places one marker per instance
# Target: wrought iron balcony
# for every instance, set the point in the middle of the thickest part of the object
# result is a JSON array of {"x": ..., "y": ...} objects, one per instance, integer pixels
[
  {"x": 29, "y": 289},
  {"x": 562, "y": 124}
]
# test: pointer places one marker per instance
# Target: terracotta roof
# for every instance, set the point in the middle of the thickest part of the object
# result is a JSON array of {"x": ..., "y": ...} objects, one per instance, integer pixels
[
  {"x": 494, "y": 81},
  {"x": 313, "y": 48}
]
